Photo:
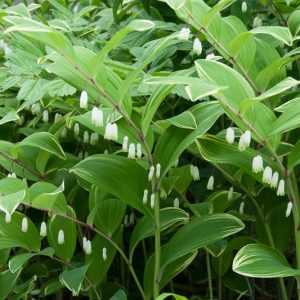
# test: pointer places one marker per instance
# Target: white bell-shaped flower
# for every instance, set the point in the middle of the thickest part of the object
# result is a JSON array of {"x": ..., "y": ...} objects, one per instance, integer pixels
[
  {"x": 280, "y": 190},
  {"x": 57, "y": 117},
  {"x": 7, "y": 218},
  {"x": 83, "y": 99},
  {"x": 151, "y": 173},
  {"x": 131, "y": 151},
  {"x": 88, "y": 247},
  {"x": 245, "y": 140},
  {"x": 76, "y": 129},
  {"x": 125, "y": 143},
  {"x": 152, "y": 199},
  {"x": 210, "y": 183},
  {"x": 43, "y": 229},
  {"x": 289, "y": 209},
  {"x": 257, "y": 22},
  {"x": 94, "y": 138},
  {"x": 257, "y": 164},
  {"x": 24, "y": 224},
  {"x": 131, "y": 219},
  {"x": 230, "y": 135},
  {"x": 45, "y": 116},
  {"x": 184, "y": 34},
  {"x": 197, "y": 46},
  {"x": 158, "y": 168},
  {"x": 111, "y": 132},
  {"x": 267, "y": 175},
  {"x": 61, "y": 237},
  {"x": 145, "y": 197},
  {"x": 241, "y": 210},
  {"x": 97, "y": 117},
  {"x": 139, "y": 151},
  {"x": 35, "y": 108},
  {"x": 84, "y": 240},
  {"x": 194, "y": 172},
  {"x": 176, "y": 203},
  {"x": 86, "y": 137},
  {"x": 230, "y": 194},
  {"x": 274, "y": 180},
  {"x": 64, "y": 133},
  {"x": 104, "y": 254},
  {"x": 244, "y": 6}
]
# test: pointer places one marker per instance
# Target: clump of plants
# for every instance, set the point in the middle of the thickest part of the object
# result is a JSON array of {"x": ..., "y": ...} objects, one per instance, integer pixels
[{"x": 149, "y": 150}]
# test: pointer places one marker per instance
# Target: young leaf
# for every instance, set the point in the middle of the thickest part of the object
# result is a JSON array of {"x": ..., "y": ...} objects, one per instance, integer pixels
[{"x": 10, "y": 202}]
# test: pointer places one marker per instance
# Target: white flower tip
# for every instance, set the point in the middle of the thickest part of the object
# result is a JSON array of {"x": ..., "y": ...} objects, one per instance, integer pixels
[
  {"x": 245, "y": 140},
  {"x": 257, "y": 164},
  {"x": 131, "y": 151},
  {"x": 230, "y": 194},
  {"x": 76, "y": 129},
  {"x": 151, "y": 173},
  {"x": 139, "y": 151},
  {"x": 244, "y": 7},
  {"x": 230, "y": 135},
  {"x": 289, "y": 209},
  {"x": 104, "y": 254},
  {"x": 158, "y": 168},
  {"x": 152, "y": 199},
  {"x": 184, "y": 34},
  {"x": 83, "y": 99},
  {"x": 43, "y": 229},
  {"x": 145, "y": 197},
  {"x": 61, "y": 237},
  {"x": 267, "y": 175},
  {"x": 88, "y": 247},
  {"x": 125, "y": 143},
  {"x": 97, "y": 117},
  {"x": 210, "y": 183},
  {"x": 7, "y": 218},
  {"x": 194, "y": 172},
  {"x": 197, "y": 46},
  {"x": 274, "y": 180},
  {"x": 241, "y": 210},
  {"x": 176, "y": 203},
  {"x": 111, "y": 132},
  {"x": 280, "y": 190},
  {"x": 24, "y": 224}
]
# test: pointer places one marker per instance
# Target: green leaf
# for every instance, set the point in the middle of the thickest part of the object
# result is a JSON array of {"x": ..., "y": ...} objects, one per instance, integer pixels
[
  {"x": 10, "y": 202},
  {"x": 175, "y": 4},
  {"x": 277, "y": 89},
  {"x": 262, "y": 261},
  {"x": 119, "y": 295},
  {"x": 42, "y": 140},
  {"x": 166, "y": 295},
  {"x": 17, "y": 261},
  {"x": 294, "y": 156},
  {"x": 55, "y": 223},
  {"x": 73, "y": 279},
  {"x": 198, "y": 233},
  {"x": 168, "y": 217},
  {"x": 141, "y": 25},
  {"x": 174, "y": 141},
  {"x": 12, "y": 236},
  {"x": 9, "y": 117},
  {"x": 294, "y": 22},
  {"x": 111, "y": 171},
  {"x": 282, "y": 34},
  {"x": 47, "y": 196},
  {"x": 8, "y": 280},
  {"x": 106, "y": 213}
]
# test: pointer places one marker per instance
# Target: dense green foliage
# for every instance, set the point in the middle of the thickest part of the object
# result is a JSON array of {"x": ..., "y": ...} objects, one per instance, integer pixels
[{"x": 150, "y": 149}]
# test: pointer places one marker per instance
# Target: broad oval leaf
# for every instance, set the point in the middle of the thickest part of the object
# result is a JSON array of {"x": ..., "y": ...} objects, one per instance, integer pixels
[
  {"x": 10, "y": 202},
  {"x": 262, "y": 261}
]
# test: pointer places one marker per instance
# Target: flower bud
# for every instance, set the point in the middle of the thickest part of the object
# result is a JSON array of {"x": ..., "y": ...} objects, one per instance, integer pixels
[
  {"x": 194, "y": 172},
  {"x": 280, "y": 191},
  {"x": 125, "y": 143},
  {"x": 139, "y": 151},
  {"x": 86, "y": 137},
  {"x": 151, "y": 173},
  {"x": 210, "y": 183},
  {"x": 274, "y": 180},
  {"x": 57, "y": 117},
  {"x": 94, "y": 138},
  {"x": 158, "y": 167},
  {"x": 267, "y": 175},
  {"x": 230, "y": 194},
  {"x": 97, "y": 117},
  {"x": 257, "y": 164},
  {"x": 184, "y": 34},
  {"x": 176, "y": 203},
  {"x": 64, "y": 133},
  {"x": 257, "y": 22},
  {"x": 111, "y": 131},
  {"x": 76, "y": 129},
  {"x": 145, "y": 197},
  {"x": 7, "y": 218},
  {"x": 104, "y": 254},
  {"x": 24, "y": 224},
  {"x": 289, "y": 209},
  {"x": 152, "y": 198},
  {"x": 83, "y": 99},
  {"x": 61, "y": 237},
  {"x": 46, "y": 116},
  {"x": 131, "y": 219},
  {"x": 131, "y": 151},
  {"x": 245, "y": 140},
  {"x": 43, "y": 229},
  {"x": 244, "y": 6},
  {"x": 241, "y": 210},
  {"x": 197, "y": 46},
  {"x": 88, "y": 247},
  {"x": 230, "y": 135}
]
